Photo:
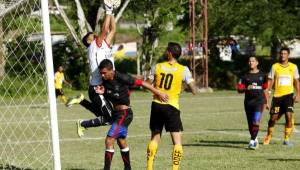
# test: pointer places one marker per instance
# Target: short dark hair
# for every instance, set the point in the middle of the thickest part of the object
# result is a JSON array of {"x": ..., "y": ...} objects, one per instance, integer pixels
[
  {"x": 84, "y": 39},
  {"x": 285, "y": 49},
  {"x": 174, "y": 49},
  {"x": 106, "y": 63}
]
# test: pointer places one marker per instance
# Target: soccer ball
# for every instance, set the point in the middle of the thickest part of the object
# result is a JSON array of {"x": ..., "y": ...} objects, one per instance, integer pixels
[{"x": 114, "y": 3}]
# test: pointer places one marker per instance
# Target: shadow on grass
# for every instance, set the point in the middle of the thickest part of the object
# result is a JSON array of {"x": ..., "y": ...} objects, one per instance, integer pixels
[
  {"x": 283, "y": 159},
  {"x": 222, "y": 143},
  {"x": 12, "y": 167}
]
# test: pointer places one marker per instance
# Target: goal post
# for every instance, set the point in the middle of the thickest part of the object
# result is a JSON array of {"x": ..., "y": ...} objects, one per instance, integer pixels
[{"x": 29, "y": 137}]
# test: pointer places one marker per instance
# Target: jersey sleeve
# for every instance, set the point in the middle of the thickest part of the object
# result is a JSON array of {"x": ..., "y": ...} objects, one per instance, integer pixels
[
  {"x": 242, "y": 83},
  {"x": 271, "y": 73},
  {"x": 265, "y": 82},
  {"x": 127, "y": 79},
  {"x": 187, "y": 76},
  {"x": 296, "y": 73}
]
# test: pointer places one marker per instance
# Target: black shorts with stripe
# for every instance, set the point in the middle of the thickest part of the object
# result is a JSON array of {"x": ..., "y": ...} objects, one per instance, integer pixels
[
  {"x": 282, "y": 104},
  {"x": 165, "y": 115}
]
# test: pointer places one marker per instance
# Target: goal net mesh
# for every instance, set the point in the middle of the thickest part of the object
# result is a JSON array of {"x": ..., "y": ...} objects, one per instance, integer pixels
[{"x": 25, "y": 136}]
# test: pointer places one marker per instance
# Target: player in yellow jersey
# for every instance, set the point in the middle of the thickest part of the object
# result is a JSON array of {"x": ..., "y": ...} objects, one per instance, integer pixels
[
  {"x": 59, "y": 79},
  {"x": 168, "y": 77},
  {"x": 284, "y": 77}
]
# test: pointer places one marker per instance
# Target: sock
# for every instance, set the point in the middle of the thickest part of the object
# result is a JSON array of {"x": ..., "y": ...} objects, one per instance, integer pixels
[
  {"x": 176, "y": 156},
  {"x": 126, "y": 158},
  {"x": 287, "y": 133},
  {"x": 151, "y": 152},
  {"x": 254, "y": 131},
  {"x": 64, "y": 99},
  {"x": 99, "y": 121},
  {"x": 109, "y": 153}
]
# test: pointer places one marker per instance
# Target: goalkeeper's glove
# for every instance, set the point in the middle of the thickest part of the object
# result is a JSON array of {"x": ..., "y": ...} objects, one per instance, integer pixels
[{"x": 108, "y": 9}]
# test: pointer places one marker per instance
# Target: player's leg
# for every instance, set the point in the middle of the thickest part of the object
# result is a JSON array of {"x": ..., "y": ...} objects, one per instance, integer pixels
[
  {"x": 177, "y": 150},
  {"x": 156, "y": 126},
  {"x": 255, "y": 121},
  {"x": 124, "y": 148},
  {"x": 109, "y": 152},
  {"x": 274, "y": 117},
  {"x": 288, "y": 106},
  {"x": 174, "y": 126}
]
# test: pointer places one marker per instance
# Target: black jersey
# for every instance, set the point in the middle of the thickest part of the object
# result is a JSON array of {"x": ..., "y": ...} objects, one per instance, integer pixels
[
  {"x": 259, "y": 82},
  {"x": 117, "y": 90}
]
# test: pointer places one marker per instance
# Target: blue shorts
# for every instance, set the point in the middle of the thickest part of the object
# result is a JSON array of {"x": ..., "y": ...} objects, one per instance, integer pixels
[
  {"x": 117, "y": 131},
  {"x": 119, "y": 127}
]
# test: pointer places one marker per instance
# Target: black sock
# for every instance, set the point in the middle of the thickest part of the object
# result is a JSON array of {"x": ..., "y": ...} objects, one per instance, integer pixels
[
  {"x": 99, "y": 121},
  {"x": 108, "y": 158},
  {"x": 126, "y": 158},
  {"x": 254, "y": 131}
]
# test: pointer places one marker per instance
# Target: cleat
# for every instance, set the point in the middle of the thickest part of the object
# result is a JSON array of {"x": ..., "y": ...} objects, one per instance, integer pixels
[
  {"x": 74, "y": 100},
  {"x": 287, "y": 143},
  {"x": 267, "y": 140},
  {"x": 252, "y": 145},
  {"x": 256, "y": 143},
  {"x": 80, "y": 129}
]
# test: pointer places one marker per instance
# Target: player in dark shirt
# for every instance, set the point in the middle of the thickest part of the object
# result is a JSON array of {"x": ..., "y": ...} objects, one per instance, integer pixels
[
  {"x": 254, "y": 85},
  {"x": 116, "y": 90}
]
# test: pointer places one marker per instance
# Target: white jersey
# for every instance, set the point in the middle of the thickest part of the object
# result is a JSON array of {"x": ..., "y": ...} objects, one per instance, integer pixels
[{"x": 96, "y": 55}]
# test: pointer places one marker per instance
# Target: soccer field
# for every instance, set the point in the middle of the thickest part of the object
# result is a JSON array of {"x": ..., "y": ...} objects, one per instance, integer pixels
[{"x": 215, "y": 137}]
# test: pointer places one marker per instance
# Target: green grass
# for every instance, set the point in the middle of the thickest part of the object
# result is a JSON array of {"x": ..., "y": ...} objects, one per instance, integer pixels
[{"x": 215, "y": 137}]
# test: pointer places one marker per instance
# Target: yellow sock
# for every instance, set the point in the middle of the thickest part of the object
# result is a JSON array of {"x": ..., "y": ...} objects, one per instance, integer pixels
[
  {"x": 287, "y": 133},
  {"x": 151, "y": 152},
  {"x": 176, "y": 156},
  {"x": 270, "y": 131},
  {"x": 64, "y": 99}
]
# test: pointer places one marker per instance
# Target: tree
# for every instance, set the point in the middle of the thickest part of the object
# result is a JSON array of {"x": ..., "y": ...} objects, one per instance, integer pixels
[
  {"x": 155, "y": 14},
  {"x": 270, "y": 21}
]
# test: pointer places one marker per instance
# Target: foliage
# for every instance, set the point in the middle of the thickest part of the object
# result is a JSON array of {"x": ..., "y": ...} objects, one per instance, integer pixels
[{"x": 74, "y": 60}]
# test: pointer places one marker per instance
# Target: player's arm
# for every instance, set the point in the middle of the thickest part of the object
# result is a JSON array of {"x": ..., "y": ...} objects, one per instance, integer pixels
[
  {"x": 188, "y": 79},
  {"x": 130, "y": 81},
  {"x": 241, "y": 86},
  {"x": 296, "y": 85},
  {"x": 112, "y": 31},
  {"x": 104, "y": 30}
]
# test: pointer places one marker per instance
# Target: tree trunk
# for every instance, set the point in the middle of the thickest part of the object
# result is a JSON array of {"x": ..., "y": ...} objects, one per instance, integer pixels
[
  {"x": 119, "y": 15},
  {"x": 100, "y": 16},
  {"x": 82, "y": 22},
  {"x": 275, "y": 46},
  {"x": 68, "y": 22}
]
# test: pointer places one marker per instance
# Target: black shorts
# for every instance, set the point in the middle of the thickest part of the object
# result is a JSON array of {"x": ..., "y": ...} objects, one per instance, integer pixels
[
  {"x": 59, "y": 92},
  {"x": 283, "y": 104},
  {"x": 165, "y": 115},
  {"x": 123, "y": 117}
]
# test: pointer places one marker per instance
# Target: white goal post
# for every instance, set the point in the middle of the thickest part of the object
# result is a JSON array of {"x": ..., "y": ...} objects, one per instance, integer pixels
[{"x": 29, "y": 136}]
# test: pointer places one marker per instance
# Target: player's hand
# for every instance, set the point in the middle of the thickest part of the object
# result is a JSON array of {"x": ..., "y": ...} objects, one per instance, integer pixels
[
  {"x": 296, "y": 99},
  {"x": 163, "y": 97},
  {"x": 99, "y": 89},
  {"x": 250, "y": 87}
]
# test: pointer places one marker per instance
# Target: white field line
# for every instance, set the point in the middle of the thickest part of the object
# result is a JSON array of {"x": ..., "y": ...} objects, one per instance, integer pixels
[
  {"x": 134, "y": 100},
  {"x": 132, "y": 136}
]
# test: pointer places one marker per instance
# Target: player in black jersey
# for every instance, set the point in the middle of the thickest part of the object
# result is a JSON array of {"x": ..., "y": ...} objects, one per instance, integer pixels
[
  {"x": 254, "y": 85},
  {"x": 116, "y": 90}
]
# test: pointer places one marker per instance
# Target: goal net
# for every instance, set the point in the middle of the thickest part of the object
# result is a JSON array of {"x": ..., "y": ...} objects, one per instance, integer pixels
[{"x": 25, "y": 126}]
